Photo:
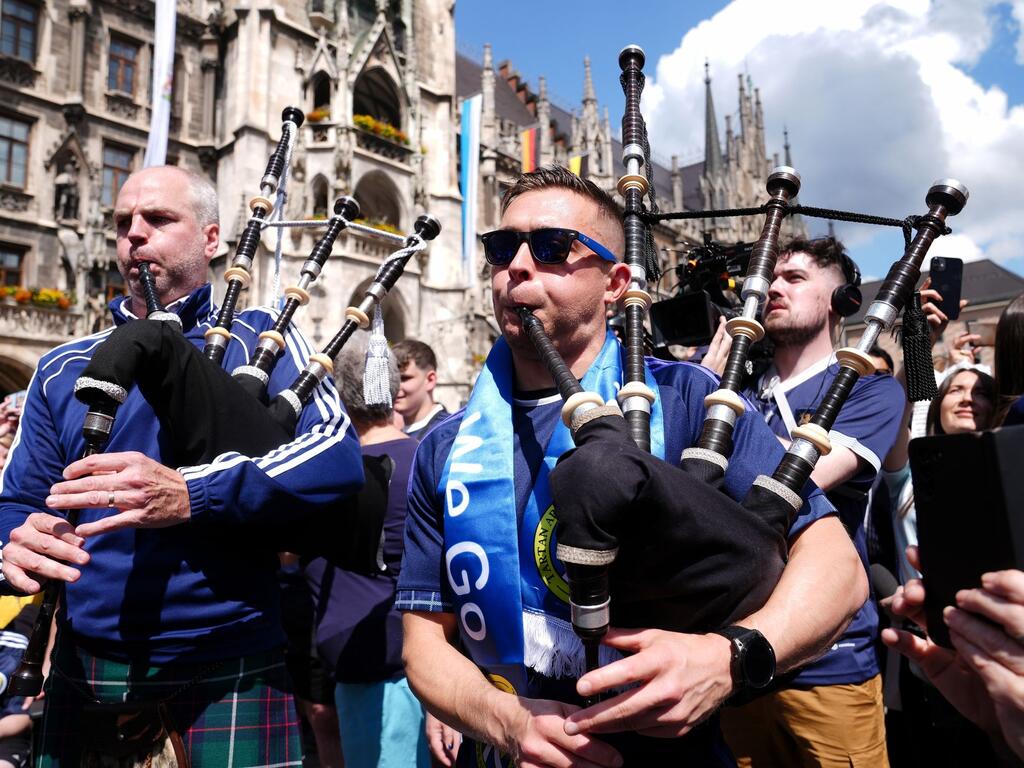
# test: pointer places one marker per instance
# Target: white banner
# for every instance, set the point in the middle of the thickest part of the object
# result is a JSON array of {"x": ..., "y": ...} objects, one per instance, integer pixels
[
  {"x": 469, "y": 181},
  {"x": 163, "y": 82}
]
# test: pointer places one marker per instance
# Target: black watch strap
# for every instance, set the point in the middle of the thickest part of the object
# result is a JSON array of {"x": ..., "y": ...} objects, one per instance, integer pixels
[{"x": 753, "y": 658}]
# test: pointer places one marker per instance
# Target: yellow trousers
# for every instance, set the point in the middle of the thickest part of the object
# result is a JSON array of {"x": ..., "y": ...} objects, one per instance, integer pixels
[{"x": 835, "y": 726}]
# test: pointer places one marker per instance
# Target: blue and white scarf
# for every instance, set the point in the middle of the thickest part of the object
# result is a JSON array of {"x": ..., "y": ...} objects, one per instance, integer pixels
[{"x": 512, "y": 617}]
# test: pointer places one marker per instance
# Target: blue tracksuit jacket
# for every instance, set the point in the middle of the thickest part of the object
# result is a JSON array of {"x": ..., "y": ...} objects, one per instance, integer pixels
[{"x": 176, "y": 594}]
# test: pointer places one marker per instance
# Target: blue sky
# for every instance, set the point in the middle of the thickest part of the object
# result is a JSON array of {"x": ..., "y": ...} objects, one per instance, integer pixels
[{"x": 881, "y": 97}]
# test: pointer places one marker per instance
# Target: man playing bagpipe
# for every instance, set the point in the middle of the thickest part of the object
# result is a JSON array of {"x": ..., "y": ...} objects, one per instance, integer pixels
[
  {"x": 480, "y": 569},
  {"x": 170, "y": 640}
]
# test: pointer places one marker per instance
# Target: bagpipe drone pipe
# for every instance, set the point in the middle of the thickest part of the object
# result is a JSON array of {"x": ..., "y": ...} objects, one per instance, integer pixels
[
  {"x": 651, "y": 544},
  {"x": 205, "y": 412}
]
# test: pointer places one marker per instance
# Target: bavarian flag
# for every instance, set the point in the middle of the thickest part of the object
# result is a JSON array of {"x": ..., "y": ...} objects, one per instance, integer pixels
[
  {"x": 529, "y": 144},
  {"x": 579, "y": 165}
]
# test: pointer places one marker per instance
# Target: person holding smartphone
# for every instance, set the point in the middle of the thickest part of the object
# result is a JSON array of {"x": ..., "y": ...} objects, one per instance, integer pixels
[{"x": 983, "y": 676}]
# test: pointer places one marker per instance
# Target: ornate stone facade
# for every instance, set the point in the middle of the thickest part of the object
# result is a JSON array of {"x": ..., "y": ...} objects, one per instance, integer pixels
[{"x": 381, "y": 85}]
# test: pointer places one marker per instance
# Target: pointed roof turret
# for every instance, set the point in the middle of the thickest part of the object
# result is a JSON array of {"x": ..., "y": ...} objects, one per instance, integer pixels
[
  {"x": 712, "y": 146},
  {"x": 588, "y": 82}
]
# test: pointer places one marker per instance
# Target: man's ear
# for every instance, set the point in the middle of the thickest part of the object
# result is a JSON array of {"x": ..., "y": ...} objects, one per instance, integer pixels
[
  {"x": 617, "y": 282},
  {"x": 430, "y": 381},
  {"x": 211, "y": 241}
]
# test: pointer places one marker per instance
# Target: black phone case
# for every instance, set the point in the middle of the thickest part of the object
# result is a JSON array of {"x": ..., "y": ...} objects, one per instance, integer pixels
[
  {"x": 969, "y": 497},
  {"x": 947, "y": 278}
]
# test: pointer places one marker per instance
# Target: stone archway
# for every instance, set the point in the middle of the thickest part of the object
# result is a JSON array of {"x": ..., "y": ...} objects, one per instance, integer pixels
[
  {"x": 14, "y": 376},
  {"x": 392, "y": 308}
]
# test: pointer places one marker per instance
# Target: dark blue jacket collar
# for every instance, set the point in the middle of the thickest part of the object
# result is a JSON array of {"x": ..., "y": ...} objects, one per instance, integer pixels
[{"x": 192, "y": 309}]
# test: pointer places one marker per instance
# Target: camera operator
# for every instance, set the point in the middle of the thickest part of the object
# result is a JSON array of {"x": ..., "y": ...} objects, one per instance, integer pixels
[{"x": 831, "y": 710}]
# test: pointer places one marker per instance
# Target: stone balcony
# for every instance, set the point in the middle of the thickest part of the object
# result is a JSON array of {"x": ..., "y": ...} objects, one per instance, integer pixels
[
  {"x": 37, "y": 325},
  {"x": 378, "y": 145}
]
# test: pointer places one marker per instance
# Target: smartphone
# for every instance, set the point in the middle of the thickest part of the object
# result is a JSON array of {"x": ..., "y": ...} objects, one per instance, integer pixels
[
  {"x": 969, "y": 500},
  {"x": 947, "y": 275}
]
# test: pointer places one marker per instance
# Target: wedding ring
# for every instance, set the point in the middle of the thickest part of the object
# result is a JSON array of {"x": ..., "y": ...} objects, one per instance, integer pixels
[{"x": 110, "y": 500}]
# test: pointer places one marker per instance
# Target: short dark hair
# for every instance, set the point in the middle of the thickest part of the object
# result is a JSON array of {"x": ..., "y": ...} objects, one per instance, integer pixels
[
  {"x": 559, "y": 177},
  {"x": 826, "y": 252},
  {"x": 877, "y": 351},
  {"x": 415, "y": 351}
]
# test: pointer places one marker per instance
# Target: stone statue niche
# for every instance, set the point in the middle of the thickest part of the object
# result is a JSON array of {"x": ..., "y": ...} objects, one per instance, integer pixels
[{"x": 66, "y": 194}]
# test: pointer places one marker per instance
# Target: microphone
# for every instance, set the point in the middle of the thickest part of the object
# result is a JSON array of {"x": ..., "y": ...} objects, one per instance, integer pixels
[{"x": 883, "y": 583}]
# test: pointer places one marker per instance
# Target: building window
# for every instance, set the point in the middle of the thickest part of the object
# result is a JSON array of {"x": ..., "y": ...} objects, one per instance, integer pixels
[
  {"x": 19, "y": 30},
  {"x": 13, "y": 151},
  {"x": 121, "y": 64},
  {"x": 117, "y": 165},
  {"x": 11, "y": 257}
]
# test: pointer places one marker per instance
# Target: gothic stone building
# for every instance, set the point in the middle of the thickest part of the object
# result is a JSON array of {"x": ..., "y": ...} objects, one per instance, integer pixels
[{"x": 381, "y": 84}]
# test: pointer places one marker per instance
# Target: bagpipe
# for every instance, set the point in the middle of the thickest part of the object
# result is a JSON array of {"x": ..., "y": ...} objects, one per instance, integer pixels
[
  {"x": 656, "y": 545},
  {"x": 203, "y": 410}
]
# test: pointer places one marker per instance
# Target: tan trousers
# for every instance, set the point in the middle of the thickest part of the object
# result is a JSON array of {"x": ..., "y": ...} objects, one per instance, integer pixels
[{"x": 836, "y": 726}]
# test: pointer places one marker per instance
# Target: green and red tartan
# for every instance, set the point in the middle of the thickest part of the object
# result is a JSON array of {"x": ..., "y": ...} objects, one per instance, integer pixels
[{"x": 237, "y": 714}]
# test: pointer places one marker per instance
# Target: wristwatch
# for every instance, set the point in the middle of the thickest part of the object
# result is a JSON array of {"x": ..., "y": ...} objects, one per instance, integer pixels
[{"x": 753, "y": 658}]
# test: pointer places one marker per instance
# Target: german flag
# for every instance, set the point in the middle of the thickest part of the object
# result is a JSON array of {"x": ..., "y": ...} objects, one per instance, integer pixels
[
  {"x": 529, "y": 143},
  {"x": 580, "y": 165}
]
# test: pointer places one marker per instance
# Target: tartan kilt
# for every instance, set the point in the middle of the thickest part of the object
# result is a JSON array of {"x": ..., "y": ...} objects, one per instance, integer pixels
[{"x": 231, "y": 714}]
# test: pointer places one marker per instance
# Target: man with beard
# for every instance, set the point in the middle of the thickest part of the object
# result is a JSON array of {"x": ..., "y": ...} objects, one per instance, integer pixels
[
  {"x": 170, "y": 642},
  {"x": 830, "y": 712},
  {"x": 473, "y": 583}
]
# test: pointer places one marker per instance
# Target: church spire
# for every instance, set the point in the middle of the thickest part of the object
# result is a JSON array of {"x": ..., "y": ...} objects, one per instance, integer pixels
[
  {"x": 785, "y": 145},
  {"x": 712, "y": 146},
  {"x": 588, "y": 82}
]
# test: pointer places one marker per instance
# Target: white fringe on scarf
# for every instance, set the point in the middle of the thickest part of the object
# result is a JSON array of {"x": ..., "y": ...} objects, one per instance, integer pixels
[{"x": 551, "y": 648}]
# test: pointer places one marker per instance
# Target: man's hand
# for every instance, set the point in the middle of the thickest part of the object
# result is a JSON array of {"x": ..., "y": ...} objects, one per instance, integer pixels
[
  {"x": 540, "y": 738},
  {"x": 36, "y": 550},
  {"x": 718, "y": 350},
  {"x": 442, "y": 740},
  {"x": 937, "y": 319},
  {"x": 946, "y": 669},
  {"x": 995, "y": 653},
  {"x": 146, "y": 493},
  {"x": 683, "y": 679}
]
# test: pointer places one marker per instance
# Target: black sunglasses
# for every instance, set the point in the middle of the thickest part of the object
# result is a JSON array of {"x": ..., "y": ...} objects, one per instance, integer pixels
[{"x": 548, "y": 245}]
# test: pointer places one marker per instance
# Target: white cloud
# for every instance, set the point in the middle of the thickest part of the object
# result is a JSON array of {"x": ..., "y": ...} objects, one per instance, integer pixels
[{"x": 876, "y": 102}]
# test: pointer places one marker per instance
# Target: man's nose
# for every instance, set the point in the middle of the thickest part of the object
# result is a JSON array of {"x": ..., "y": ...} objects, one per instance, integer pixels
[
  {"x": 138, "y": 230},
  {"x": 522, "y": 265}
]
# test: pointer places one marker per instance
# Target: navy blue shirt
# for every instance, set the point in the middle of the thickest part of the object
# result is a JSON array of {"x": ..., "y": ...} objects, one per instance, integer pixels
[
  {"x": 359, "y": 632},
  {"x": 422, "y": 585},
  {"x": 867, "y": 424}
]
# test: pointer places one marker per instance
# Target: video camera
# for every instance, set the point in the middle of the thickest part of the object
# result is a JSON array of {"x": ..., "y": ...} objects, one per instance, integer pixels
[{"x": 709, "y": 278}]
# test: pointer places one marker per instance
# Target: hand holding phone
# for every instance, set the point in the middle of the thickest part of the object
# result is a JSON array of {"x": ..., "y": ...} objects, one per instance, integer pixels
[{"x": 946, "y": 274}]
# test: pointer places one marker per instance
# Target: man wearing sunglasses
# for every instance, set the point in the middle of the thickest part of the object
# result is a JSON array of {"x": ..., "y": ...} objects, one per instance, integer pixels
[{"x": 479, "y": 568}]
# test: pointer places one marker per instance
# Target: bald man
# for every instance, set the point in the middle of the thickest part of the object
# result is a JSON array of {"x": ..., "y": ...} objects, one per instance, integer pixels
[{"x": 170, "y": 639}]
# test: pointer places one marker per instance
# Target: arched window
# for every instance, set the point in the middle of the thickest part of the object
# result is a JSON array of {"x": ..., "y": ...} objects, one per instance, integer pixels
[
  {"x": 394, "y": 317},
  {"x": 321, "y": 91},
  {"x": 376, "y": 96},
  {"x": 379, "y": 199},
  {"x": 321, "y": 198}
]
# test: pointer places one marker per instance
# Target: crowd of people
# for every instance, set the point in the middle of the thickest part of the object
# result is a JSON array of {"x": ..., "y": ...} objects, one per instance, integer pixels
[{"x": 449, "y": 639}]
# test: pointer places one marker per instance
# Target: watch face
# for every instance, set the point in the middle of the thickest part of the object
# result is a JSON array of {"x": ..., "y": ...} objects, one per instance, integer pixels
[{"x": 758, "y": 660}]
